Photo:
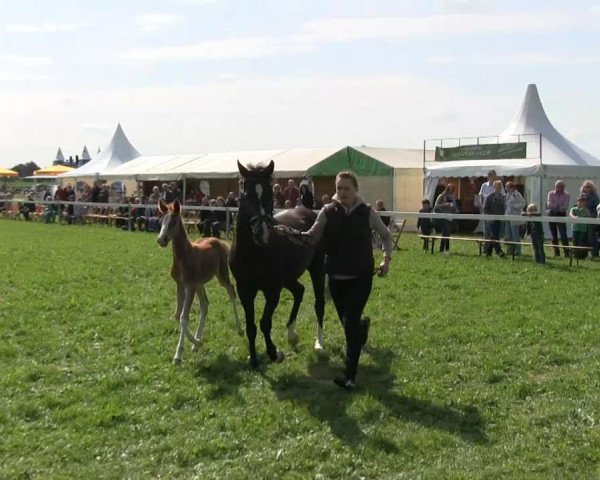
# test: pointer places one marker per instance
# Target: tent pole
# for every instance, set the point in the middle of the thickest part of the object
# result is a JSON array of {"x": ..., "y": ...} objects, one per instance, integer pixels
[
  {"x": 541, "y": 176},
  {"x": 184, "y": 190}
]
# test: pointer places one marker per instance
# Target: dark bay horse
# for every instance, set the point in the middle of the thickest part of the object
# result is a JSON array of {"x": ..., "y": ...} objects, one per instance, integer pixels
[
  {"x": 263, "y": 261},
  {"x": 194, "y": 264}
]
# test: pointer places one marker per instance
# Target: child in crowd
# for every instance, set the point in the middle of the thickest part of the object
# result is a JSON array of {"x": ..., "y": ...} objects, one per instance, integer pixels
[
  {"x": 580, "y": 230},
  {"x": 425, "y": 223},
  {"x": 536, "y": 231}
]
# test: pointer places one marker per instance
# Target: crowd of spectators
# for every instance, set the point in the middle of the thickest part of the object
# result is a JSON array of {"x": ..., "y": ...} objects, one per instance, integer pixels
[{"x": 497, "y": 200}]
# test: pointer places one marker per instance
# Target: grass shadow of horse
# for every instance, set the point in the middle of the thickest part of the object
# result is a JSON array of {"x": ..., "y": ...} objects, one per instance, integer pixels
[
  {"x": 329, "y": 404},
  {"x": 224, "y": 375}
]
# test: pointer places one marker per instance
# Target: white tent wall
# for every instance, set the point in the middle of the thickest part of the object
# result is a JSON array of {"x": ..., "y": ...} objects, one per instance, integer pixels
[
  {"x": 372, "y": 189},
  {"x": 408, "y": 193}
]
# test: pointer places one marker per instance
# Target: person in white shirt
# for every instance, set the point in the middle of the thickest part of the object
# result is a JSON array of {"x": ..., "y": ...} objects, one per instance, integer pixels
[{"x": 514, "y": 205}]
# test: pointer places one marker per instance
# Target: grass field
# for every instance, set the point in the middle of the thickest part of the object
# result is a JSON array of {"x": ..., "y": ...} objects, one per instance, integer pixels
[{"x": 479, "y": 368}]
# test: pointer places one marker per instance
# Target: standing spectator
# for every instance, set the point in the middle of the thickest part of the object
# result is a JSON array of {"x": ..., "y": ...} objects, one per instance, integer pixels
[
  {"x": 487, "y": 189},
  {"x": 424, "y": 224},
  {"x": 154, "y": 197},
  {"x": 588, "y": 189},
  {"x": 580, "y": 230},
  {"x": 95, "y": 193},
  {"x": 325, "y": 199},
  {"x": 536, "y": 231},
  {"x": 514, "y": 205},
  {"x": 50, "y": 211},
  {"x": 494, "y": 205},
  {"x": 445, "y": 203},
  {"x": 380, "y": 207},
  {"x": 557, "y": 204},
  {"x": 278, "y": 198},
  {"x": 307, "y": 199},
  {"x": 291, "y": 192}
]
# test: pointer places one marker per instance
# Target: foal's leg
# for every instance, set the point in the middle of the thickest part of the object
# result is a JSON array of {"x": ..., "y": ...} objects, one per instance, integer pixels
[
  {"x": 180, "y": 299},
  {"x": 183, "y": 321},
  {"x": 271, "y": 301},
  {"x": 297, "y": 291},
  {"x": 203, "y": 299},
  {"x": 247, "y": 295}
]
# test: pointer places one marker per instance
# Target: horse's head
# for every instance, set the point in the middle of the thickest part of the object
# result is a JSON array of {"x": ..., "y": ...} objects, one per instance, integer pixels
[
  {"x": 168, "y": 222},
  {"x": 256, "y": 200}
]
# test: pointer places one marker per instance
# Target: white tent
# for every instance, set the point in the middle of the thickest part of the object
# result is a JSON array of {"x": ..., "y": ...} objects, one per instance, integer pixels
[
  {"x": 118, "y": 151},
  {"x": 85, "y": 155},
  {"x": 59, "y": 156},
  {"x": 550, "y": 156}
]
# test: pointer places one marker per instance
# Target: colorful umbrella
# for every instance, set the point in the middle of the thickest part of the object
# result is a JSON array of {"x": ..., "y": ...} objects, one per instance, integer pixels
[
  {"x": 53, "y": 170},
  {"x": 4, "y": 172}
]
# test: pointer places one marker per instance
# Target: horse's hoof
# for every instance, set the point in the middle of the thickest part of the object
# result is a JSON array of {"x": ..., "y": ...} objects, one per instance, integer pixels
[
  {"x": 253, "y": 363},
  {"x": 319, "y": 346},
  {"x": 280, "y": 357},
  {"x": 240, "y": 332},
  {"x": 176, "y": 361}
]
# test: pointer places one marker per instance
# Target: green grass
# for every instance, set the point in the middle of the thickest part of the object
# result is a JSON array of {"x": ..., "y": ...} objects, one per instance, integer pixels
[{"x": 480, "y": 368}]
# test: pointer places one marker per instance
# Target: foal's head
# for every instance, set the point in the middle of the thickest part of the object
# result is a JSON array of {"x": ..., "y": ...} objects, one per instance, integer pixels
[
  {"x": 169, "y": 222},
  {"x": 256, "y": 200}
]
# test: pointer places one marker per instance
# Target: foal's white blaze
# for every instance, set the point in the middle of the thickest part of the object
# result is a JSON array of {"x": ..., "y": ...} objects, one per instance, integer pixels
[{"x": 164, "y": 226}]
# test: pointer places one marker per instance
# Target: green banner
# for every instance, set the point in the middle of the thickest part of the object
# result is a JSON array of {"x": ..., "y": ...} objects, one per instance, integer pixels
[{"x": 494, "y": 151}]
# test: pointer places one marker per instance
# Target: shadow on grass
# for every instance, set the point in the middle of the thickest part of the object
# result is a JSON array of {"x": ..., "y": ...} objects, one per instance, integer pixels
[
  {"x": 329, "y": 403},
  {"x": 224, "y": 375}
]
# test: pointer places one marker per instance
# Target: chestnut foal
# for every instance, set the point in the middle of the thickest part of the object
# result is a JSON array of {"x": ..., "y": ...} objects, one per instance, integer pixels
[{"x": 194, "y": 264}]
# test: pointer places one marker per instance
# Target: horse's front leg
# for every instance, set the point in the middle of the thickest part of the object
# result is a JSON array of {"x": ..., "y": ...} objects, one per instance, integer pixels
[
  {"x": 297, "y": 291},
  {"x": 247, "y": 295},
  {"x": 183, "y": 321},
  {"x": 271, "y": 301},
  {"x": 317, "y": 276},
  {"x": 203, "y": 299}
]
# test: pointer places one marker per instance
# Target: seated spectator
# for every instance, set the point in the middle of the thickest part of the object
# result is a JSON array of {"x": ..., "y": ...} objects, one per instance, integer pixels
[
  {"x": 50, "y": 211},
  {"x": 67, "y": 213},
  {"x": 137, "y": 220},
  {"x": 380, "y": 207},
  {"x": 204, "y": 216},
  {"x": 28, "y": 207},
  {"x": 79, "y": 211}
]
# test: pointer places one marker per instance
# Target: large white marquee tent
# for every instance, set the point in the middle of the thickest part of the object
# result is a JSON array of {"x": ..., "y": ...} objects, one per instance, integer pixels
[{"x": 550, "y": 156}]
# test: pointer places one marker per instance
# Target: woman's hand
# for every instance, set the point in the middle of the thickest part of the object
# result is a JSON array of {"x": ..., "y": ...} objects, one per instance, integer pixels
[
  {"x": 384, "y": 267},
  {"x": 283, "y": 230}
]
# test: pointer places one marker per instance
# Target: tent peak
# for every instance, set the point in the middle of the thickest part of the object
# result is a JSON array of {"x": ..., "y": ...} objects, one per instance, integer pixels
[{"x": 59, "y": 156}]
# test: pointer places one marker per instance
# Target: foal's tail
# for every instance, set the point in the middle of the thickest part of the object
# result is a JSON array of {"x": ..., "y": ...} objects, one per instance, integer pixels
[{"x": 224, "y": 252}]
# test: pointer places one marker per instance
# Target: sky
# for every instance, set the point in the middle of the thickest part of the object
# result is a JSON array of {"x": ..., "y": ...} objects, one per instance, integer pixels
[{"x": 194, "y": 76}]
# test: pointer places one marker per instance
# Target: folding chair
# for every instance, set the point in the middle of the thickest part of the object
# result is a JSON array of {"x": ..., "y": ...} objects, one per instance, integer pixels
[{"x": 396, "y": 227}]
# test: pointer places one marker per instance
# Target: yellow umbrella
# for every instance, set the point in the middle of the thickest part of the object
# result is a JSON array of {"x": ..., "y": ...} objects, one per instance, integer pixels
[
  {"x": 4, "y": 172},
  {"x": 53, "y": 170}
]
